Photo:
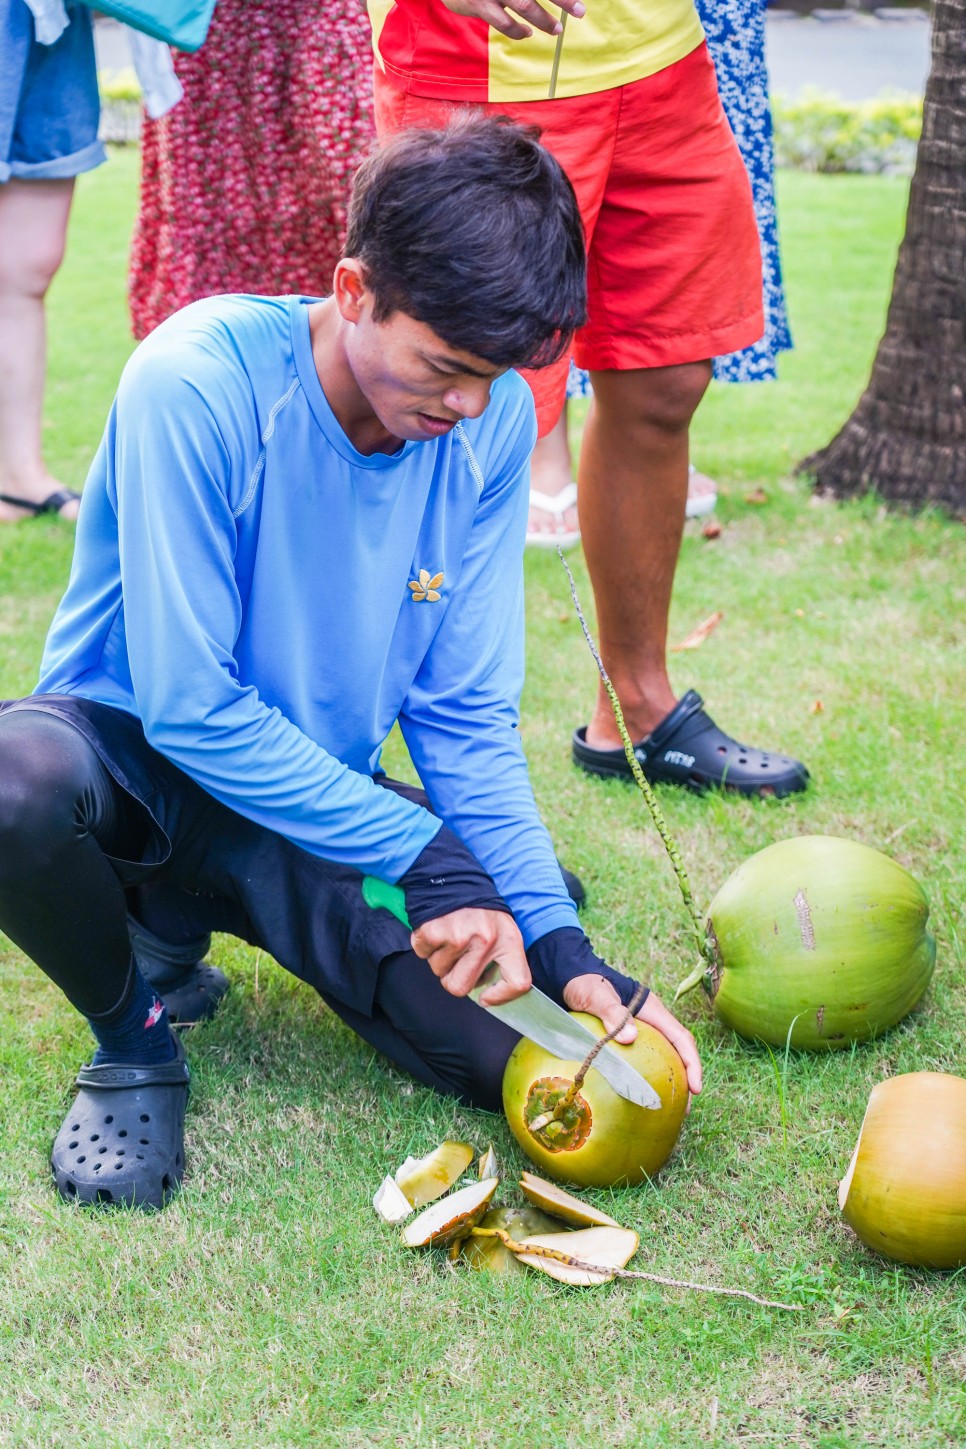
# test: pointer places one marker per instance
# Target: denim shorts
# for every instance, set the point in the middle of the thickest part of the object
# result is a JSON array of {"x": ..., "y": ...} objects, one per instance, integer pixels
[{"x": 49, "y": 105}]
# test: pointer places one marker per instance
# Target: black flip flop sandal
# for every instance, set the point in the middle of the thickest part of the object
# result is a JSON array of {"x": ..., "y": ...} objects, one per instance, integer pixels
[
  {"x": 53, "y": 503},
  {"x": 687, "y": 748},
  {"x": 122, "y": 1141}
]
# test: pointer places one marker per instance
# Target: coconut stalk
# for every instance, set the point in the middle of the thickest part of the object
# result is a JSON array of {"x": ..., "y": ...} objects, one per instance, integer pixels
[
  {"x": 707, "y": 969},
  {"x": 536, "y": 1251}
]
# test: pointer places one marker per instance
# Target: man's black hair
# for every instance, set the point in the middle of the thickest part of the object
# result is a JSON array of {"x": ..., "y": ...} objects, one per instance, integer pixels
[{"x": 473, "y": 230}]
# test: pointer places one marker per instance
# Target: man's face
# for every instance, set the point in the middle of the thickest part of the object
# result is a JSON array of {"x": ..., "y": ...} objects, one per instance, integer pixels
[{"x": 418, "y": 386}]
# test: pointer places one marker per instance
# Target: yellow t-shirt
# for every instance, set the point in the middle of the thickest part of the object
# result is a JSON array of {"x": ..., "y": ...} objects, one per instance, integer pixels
[{"x": 428, "y": 51}]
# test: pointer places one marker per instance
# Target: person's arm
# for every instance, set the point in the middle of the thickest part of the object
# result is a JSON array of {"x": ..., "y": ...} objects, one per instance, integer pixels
[
  {"x": 171, "y": 481},
  {"x": 495, "y": 13},
  {"x": 460, "y": 719}
]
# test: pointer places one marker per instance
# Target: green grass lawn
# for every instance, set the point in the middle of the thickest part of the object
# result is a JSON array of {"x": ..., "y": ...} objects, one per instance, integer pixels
[{"x": 267, "y": 1305}]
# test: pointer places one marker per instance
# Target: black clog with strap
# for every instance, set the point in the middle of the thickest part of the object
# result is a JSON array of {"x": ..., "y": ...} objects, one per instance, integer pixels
[
  {"x": 122, "y": 1142},
  {"x": 687, "y": 748}
]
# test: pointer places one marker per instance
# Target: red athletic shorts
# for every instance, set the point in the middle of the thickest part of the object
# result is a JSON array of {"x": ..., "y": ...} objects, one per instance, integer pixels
[{"x": 674, "y": 261}]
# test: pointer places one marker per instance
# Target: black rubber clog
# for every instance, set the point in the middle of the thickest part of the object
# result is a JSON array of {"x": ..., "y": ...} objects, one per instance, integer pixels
[
  {"x": 687, "y": 748},
  {"x": 122, "y": 1142}
]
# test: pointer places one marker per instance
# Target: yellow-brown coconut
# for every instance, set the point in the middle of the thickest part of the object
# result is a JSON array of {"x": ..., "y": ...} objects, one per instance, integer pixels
[
  {"x": 604, "y": 1140},
  {"x": 905, "y": 1191}
]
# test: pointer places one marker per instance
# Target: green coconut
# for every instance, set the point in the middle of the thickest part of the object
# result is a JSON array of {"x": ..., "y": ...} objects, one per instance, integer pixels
[{"x": 819, "y": 937}]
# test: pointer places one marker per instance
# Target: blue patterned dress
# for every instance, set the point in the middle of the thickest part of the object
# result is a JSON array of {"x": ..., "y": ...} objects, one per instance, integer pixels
[{"x": 736, "y": 39}]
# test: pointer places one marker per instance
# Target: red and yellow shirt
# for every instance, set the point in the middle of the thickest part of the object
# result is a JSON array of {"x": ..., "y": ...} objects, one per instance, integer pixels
[{"x": 428, "y": 51}]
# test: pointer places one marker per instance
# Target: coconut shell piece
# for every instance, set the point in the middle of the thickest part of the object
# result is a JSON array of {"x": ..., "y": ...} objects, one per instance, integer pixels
[
  {"x": 489, "y": 1254},
  {"x": 487, "y": 1165},
  {"x": 391, "y": 1203},
  {"x": 603, "y": 1248},
  {"x": 563, "y": 1205},
  {"x": 904, "y": 1193},
  {"x": 424, "y": 1179},
  {"x": 450, "y": 1219}
]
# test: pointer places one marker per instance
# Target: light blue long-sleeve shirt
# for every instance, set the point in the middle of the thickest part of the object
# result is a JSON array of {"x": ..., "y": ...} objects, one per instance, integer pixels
[{"x": 241, "y": 584}]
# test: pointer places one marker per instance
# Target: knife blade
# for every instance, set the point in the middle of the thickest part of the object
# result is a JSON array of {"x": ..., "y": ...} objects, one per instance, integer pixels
[{"x": 535, "y": 1016}]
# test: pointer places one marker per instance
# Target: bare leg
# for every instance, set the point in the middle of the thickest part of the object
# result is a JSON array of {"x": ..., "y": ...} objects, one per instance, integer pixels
[
  {"x": 33, "y": 229},
  {"x": 551, "y": 471},
  {"x": 633, "y": 489}
]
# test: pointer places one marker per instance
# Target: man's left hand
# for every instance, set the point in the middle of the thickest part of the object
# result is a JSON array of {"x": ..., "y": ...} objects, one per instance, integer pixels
[{"x": 597, "y": 996}]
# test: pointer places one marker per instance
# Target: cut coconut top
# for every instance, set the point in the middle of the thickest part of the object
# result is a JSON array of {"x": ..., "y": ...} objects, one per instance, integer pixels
[
  {"x": 424, "y": 1179},
  {"x": 486, "y": 1167},
  {"x": 562, "y": 1204},
  {"x": 602, "y": 1249},
  {"x": 450, "y": 1218},
  {"x": 391, "y": 1203}
]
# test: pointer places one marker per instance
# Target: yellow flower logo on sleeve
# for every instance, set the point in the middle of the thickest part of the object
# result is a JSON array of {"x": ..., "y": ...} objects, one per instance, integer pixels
[{"x": 425, "y": 587}]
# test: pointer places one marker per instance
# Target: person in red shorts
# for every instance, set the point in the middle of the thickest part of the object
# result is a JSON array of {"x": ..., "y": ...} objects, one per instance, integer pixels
[{"x": 674, "y": 279}]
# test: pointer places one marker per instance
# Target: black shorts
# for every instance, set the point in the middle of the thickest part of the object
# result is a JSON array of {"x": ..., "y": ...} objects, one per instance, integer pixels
[{"x": 218, "y": 871}]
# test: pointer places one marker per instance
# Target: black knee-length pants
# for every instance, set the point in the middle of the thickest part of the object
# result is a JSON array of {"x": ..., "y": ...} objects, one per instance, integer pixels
[{"x": 94, "y": 824}]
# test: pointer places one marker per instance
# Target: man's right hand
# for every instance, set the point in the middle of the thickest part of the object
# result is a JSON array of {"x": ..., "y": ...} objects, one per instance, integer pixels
[
  {"x": 460, "y": 946},
  {"x": 494, "y": 12}
]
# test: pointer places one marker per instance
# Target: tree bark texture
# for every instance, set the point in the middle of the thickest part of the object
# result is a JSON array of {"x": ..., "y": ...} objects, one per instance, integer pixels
[{"x": 907, "y": 436}]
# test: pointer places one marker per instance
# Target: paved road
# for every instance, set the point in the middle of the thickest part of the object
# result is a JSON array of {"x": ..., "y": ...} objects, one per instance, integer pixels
[{"x": 855, "y": 56}]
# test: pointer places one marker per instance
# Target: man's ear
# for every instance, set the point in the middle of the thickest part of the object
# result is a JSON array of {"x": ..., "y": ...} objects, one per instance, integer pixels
[{"x": 349, "y": 289}]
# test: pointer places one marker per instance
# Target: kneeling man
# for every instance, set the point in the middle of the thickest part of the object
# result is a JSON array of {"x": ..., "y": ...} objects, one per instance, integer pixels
[{"x": 304, "y": 523}]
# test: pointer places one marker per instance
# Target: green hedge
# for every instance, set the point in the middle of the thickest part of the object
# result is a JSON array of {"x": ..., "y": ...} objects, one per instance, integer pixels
[{"x": 819, "y": 132}]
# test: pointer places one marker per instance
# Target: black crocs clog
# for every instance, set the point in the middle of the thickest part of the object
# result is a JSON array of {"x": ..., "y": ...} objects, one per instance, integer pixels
[
  {"x": 687, "y": 748},
  {"x": 122, "y": 1142}
]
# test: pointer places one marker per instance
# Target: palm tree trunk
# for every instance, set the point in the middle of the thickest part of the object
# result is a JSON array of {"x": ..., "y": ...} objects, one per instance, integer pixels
[{"x": 907, "y": 436}]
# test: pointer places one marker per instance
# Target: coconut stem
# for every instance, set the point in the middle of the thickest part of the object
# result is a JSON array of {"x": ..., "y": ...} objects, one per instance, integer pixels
[
  {"x": 536, "y": 1251},
  {"x": 643, "y": 784}
]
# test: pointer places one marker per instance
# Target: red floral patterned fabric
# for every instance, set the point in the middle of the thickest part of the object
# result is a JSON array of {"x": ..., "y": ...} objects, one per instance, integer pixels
[{"x": 245, "y": 183}]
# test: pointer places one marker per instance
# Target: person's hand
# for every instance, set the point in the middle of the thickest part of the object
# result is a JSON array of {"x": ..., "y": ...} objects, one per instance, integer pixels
[
  {"x": 597, "y": 996},
  {"x": 494, "y": 12},
  {"x": 460, "y": 946}
]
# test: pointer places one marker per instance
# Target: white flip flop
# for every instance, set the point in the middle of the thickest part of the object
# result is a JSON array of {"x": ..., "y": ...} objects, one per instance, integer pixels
[
  {"x": 556, "y": 504},
  {"x": 699, "y": 504}
]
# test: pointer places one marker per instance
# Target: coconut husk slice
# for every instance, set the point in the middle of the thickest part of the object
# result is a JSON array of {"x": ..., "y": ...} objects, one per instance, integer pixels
[
  {"x": 600, "y": 1250},
  {"x": 487, "y": 1166},
  {"x": 391, "y": 1203},
  {"x": 563, "y": 1205},
  {"x": 450, "y": 1219},
  {"x": 424, "y": 1179}
]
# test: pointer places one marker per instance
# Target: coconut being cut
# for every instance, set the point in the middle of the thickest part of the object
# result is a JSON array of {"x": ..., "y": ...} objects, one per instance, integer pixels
[
  {"x": 592, "y": 1137},
  {"x": 904, "y": 1194}
]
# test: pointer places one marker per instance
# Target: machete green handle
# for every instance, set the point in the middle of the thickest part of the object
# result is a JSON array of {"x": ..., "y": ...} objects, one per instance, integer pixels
[{"x": 379, "y": 894}]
